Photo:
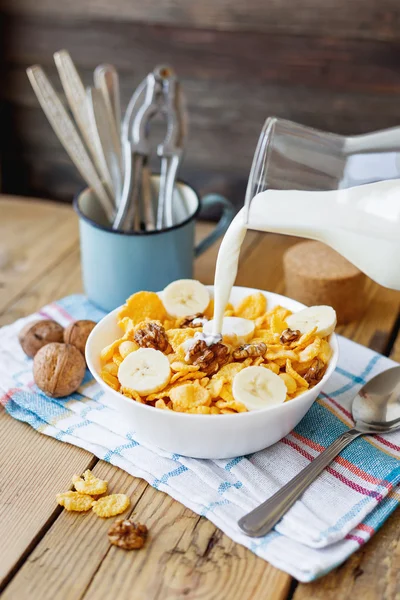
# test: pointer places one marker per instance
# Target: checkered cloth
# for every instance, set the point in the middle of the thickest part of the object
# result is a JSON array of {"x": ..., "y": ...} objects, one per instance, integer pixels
[{"x": 340, "y": 511}]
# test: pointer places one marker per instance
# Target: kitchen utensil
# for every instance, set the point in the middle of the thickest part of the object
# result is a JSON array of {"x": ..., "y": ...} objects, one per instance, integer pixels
[
  {"x": 68, "y": 135},
  {"x": 106, "y": 79},
  {"x": 375, "y": 410},
  {"x": 77, "y": 99},
  {"x": 102, "y": 133},
  {"x": 158, "y": 93}
]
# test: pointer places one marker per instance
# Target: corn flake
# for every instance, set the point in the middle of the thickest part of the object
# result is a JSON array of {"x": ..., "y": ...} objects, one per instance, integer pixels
[
  {"x": 143, "y": 305},
  {"x": 189, "y": 395},
  {"x": 75, "y": 501},
  {"x": 299, "y": 379},
  {"x": 109, "y": 506},
  {"x": 89, "y": 484},
  {"x": 176, "y": 337},
  {"x": 310, "y": 351},
  {"x": 127, "y": 347},
  {"x": 209, "y": 312},
  {"x": 290, "y": 382},
  {"x": 252, "y": 306}
]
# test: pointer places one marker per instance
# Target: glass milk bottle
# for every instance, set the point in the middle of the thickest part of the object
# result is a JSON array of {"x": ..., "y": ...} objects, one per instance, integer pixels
[{"x": 342, "y": 191}]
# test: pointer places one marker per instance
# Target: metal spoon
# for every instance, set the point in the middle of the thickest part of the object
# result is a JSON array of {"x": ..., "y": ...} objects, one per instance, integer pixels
[{"x": 375, "y": 409}]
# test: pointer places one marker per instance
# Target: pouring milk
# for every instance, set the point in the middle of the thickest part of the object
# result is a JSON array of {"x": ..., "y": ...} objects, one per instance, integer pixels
[{"x": 362, "y": 223}]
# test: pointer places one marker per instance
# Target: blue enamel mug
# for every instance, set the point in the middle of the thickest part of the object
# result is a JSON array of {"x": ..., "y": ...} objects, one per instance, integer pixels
[{"x": 116, "y": 264}]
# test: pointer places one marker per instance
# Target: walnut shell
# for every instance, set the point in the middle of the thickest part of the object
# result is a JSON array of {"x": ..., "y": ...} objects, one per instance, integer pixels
[
  {"x": 77, "y": 334},
  {"x": 58, "y": 369},
  {"x": 37, "y": 334}
]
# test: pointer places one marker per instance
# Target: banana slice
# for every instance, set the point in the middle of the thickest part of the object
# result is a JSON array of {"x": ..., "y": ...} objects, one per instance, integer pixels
[
  {"x": 258, "y": 387},
  {"x": 185, "y": 297},
  {"x": 145, "y": 371},
  {"x": 322, "y": 317},
  {"x": 243, "y": 328}
]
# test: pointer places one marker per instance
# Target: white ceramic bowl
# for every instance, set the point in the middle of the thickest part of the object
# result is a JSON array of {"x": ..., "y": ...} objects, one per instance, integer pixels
[{"x": 206, "y": 436}]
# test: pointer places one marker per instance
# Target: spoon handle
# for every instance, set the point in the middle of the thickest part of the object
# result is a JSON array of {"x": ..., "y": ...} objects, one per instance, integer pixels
[{"x": 262, "y": 519}]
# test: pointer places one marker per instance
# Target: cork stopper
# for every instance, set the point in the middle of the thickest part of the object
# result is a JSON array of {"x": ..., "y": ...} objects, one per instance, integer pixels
[{"x": 315, "y": 274}]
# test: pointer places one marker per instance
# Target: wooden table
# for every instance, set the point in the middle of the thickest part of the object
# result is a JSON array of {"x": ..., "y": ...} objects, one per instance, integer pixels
[{"x": 46, "y": 552}]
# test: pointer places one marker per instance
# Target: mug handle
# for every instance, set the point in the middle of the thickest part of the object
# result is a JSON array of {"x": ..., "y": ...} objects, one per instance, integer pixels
[{"x": 228, "y": 212}]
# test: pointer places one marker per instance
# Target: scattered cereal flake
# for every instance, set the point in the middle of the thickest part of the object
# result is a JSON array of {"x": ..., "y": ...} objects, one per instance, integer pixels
[
  {"x": 109, "y": 506},
  {"x": 110, "y": 380},
  {"x": 127, "y": 347},
  {"x": 290, "y": 382},
  {"x": 143, "y": 305},
  {"x": 189, "y": 395},
  {"x": 89, "y": 484},
  {"x": 252, "y": 306},
  {"x": 299, "y": 379},
  {"x": 75, "y": 501},
  {"x": 215, "y": 386},
  {"x": 176, "y": 337},
  {"x": 209, "y": 312}
]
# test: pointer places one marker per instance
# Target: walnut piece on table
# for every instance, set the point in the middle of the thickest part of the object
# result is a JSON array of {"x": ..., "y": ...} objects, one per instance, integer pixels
[
  {"x": 152, "y": 335},
  {"x": 128, "y": 535},
  {"x": 208, "y": 358}
]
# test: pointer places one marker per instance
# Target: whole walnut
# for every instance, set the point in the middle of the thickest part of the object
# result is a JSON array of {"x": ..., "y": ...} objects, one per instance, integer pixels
[
  {"x": 77, "y": 334},
  {"x": 58, "y": 369},
  {"x": 37, "y": 334}
]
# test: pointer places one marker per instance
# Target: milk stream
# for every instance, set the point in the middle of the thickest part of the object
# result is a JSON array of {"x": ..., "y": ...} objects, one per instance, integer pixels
[{"x": 362, "y": 223}]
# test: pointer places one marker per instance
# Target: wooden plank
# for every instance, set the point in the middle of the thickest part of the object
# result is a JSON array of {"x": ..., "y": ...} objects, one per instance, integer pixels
[
  {"x": 62, "y": 280},
  {"x": 183, "y": 556},
  {"x": 338, "y": 18},
  {"x": 65, "y": 560},
  {"x": 33, "y": 468},
  {"x": 372, "y": 573},
  {"x": 34, "y": 237},
  {"x": 319, "y": 62}
]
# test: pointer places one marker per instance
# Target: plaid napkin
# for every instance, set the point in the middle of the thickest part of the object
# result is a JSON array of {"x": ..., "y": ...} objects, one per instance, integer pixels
[{"x": 336, "y": 515}]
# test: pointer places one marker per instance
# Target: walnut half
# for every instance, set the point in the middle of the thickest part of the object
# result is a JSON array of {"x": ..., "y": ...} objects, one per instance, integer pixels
[
  {"x": 250, "y": 350},
  {"x": 290, "y": 335},
  {"x": 126, "y": 534},
  {"x": 153, "y": 336},
  {"x": 208, "y": 358},
  {"x": 315, "y": 372}
]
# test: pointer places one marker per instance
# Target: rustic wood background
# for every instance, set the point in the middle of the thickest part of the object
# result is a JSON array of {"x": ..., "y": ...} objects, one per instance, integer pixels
[{"x": 333, "y": 64}]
